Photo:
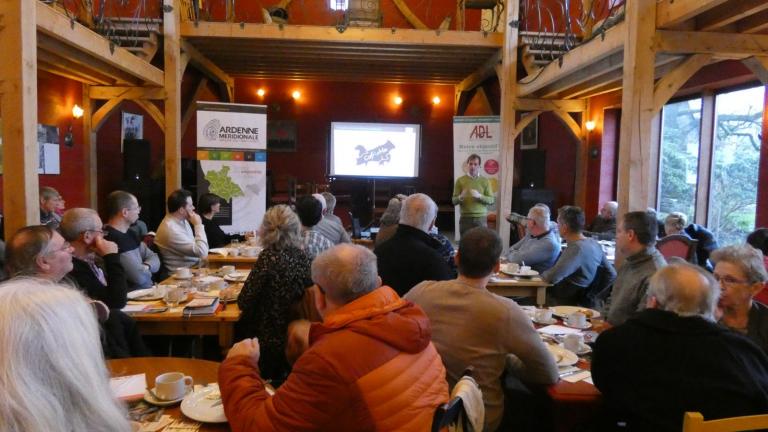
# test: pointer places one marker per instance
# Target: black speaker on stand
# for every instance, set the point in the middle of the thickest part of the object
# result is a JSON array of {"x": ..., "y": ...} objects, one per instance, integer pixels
[{"x": 136, "y": 156}]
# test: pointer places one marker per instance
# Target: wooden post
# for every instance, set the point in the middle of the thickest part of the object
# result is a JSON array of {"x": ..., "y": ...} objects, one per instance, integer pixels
[
  {"x": 89, "y": 150},
  {"x": 637, "y": 107},
  {"x": 18, "y": 89},
  {"x": 172, "y": 53},
  {"x": 508, "y": 82}
]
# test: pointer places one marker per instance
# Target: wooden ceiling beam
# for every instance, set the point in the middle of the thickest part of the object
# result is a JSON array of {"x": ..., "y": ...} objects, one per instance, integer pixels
[
  {"x": 753, "y": 24},
  {"x": 353, "y": 35},
  {"x": 729, "y": 13},
  {"x": 82, "y": 60},
  {"x": 670, "y": 13},
  {"x": 53, "y": 69},
  {"x": 131, "y": 93},
  {"x": 575, "y": 60},
  {"x": 59, "y": 27},
  {"x": 566, "y": 105},
  {"x": 588, "y": 73},
  {"x": 670, "y": 83},
  {"x": 62, "y": 67},
  {"x": 209, "y": 68},
  {"x": 759, "y": 67},
  {"x": 730, "y": 44},
  {"x": 482, "y": 73}
]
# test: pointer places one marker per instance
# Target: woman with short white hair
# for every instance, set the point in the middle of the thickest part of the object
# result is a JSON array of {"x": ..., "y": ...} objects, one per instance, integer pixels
[{"x": 52, "y": 373}]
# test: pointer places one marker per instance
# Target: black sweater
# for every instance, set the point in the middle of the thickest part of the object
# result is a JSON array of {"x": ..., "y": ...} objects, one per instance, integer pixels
[{"x": 114, "y": 293}]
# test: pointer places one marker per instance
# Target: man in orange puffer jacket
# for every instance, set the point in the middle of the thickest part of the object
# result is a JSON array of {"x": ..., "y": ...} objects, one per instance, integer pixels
[{"x": 370, "y": 364}]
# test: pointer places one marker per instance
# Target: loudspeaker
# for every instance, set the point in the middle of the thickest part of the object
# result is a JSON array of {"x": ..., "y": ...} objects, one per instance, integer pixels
[
  {"x": 532, "y": 168},
  {"x": 136, "y": 155}
]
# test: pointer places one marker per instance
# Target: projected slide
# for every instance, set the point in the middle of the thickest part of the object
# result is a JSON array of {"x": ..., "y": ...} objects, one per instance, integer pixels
[{"x": 374, "y": 150}]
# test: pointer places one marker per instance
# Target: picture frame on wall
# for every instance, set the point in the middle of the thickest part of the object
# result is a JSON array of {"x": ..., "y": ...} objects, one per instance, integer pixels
[
  {"x": 529, "y": 137},
  {"x": 132, "y": 127},
  {"x": 281, "y": 135}
]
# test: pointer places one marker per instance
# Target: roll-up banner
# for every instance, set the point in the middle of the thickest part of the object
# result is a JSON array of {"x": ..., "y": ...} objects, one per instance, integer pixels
[{"x": 232, "y": 162}]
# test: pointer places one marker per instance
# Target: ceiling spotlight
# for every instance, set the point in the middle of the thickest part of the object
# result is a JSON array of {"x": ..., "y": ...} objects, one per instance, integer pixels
[{"x": 398, "y": 100}]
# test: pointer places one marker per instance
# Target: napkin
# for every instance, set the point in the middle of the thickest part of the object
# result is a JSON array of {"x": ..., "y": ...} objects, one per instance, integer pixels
[
  {"x": 219, "y": 251},
  {"x": 578, "y": 377},
  {"x": 558, "y": 330},
  {"x": 130, "y": 387}
]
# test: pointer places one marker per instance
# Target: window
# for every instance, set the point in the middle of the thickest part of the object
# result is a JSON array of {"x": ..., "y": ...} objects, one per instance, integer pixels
[
  {"x": 726, "y": 199},
  {"x": 338, "y": 4},
  {"x": 678, "y": 170},
  {"x": 735, "y": 161}
]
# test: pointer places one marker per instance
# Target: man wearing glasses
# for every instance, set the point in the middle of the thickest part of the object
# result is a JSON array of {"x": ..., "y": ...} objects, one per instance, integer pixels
[
  {"x": 139, "y": 262},
  {"x": 95, "y": 262}
]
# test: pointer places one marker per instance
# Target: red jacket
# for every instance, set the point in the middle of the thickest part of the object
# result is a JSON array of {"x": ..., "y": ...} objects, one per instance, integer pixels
[{"x": 370, "y": 366}]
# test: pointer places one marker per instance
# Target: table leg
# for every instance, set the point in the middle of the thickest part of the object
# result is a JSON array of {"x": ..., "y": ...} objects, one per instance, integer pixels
[
  {"x": 541, "y": 296},
  {"x": 226, "y": 335}
]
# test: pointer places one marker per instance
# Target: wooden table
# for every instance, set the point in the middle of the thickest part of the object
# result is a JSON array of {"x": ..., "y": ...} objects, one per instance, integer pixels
[
  {"x": 240, "y": 262},
  {"x": 201, "y": 371},
  {"x": 507, "y": 286},
  {"x": 174, "y": 323}
]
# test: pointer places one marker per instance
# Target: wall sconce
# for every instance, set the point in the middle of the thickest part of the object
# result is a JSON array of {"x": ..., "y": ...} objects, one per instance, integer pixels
[
  {"x": 398, "y": 100},
  {"x": 69, "y": 138},
  {"x": 296, "y": 95},
  {"x": 590, "y": 125},
  {"x": 436, "y": 100},
  {"x": 261, "y": 92}
]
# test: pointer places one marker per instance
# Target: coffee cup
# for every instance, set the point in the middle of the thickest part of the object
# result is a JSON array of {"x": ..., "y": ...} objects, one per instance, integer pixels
[
  {"x": 235, "y": 251},
  {"x": 183, "y": 272},
  {"x": 512, "y": 267},
  {"x": 525, "y": 269},
  {"x": 172, "y": 385},
  {"x": 250, "y": 251},
  {"x": 543, "y": 315},
  {"x": 227, "y": 269},
  {"x": 159, "y": 290},
  {"x": 576, "y": 319},
  {"x": 573, "y": 342},
  {"x": 174, "y": 295}
]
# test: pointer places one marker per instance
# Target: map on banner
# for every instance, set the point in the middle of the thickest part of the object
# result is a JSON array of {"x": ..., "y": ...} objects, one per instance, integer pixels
[{"x": 222, "y": 184}]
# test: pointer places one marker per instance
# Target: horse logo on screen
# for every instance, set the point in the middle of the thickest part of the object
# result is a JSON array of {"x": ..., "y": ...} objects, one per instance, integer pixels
[{"x": 378, "y": 154}]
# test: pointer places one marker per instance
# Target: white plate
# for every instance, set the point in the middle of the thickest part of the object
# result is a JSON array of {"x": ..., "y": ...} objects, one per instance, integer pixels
[
  {"x": 198, "y": 406},
  {"x": 563, "y": 311},
  {"x": 182, "y": 277},
  {"x": 236, "y": 277},
  {"x": 146, "y": 294},
  {"x": 550, "y": 322},
  {"x": 586, "y": 325},
  {"x": 562, "y": 356},
  {"x": 583, "y": 349},
  {"x": 160, "y": 402},
  {"x": 529, "y": 273}
]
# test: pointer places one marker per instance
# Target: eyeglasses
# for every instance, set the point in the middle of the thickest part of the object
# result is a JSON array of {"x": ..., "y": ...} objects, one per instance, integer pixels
[
  {"x": 137, "y": 208},
  {"x": 729, "y": 281},
  {"x": 64, "y": 248},
  {"x": 97, "y": 231}
]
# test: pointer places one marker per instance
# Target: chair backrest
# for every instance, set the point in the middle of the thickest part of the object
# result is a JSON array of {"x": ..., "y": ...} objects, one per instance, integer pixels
[
  {"x": 694, "y": 422},
  {"x": 678, "y": 246},
  {"x": 598, "y": 290},
  {"x": 448, "y": 414}
]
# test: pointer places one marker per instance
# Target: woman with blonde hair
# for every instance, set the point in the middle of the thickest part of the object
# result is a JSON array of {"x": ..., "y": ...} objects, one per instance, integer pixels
[
  {"x": 52, "y": 373},
  {"x": 276, "y": 284}
]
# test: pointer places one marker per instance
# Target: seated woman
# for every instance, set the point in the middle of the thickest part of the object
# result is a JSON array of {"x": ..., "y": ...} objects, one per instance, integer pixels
[
  {"x": 675, "y": 223},
  {"x": 276, "y": 284},
  {"x": 758, "y": 239},
  {"x": 208, "y": 205},
  {"x": 54, "y": 377},
  {"x": 390, "y": 218},
  {"x": 741, "y": 273}
]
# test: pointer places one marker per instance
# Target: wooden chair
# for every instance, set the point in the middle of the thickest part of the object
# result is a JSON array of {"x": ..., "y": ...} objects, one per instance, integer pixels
[
  {"x": 452, "y": 412},
  {"x": 598, "y": 290},
  {"x": 678, "y": 246},
  {"x": 694, "y": 422}
]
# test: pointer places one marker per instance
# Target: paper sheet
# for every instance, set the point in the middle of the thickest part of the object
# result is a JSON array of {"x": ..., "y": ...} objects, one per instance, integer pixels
[
  {"x": 129, "y": 387},
  {"x": 558, "y": 330}
]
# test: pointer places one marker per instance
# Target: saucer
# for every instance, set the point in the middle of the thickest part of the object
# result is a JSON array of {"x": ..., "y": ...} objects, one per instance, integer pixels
[
  {"x": 236, "y": 277},
  {"x": 583, "y": 349},
  {"x": 200, "y": 406},
  {"x": 562, "y": 356},
  {"x": 586, "y": 325},
  {"x": 160, "y": 402},
  {"x": 551, "y": 321},
  {"x": 147, "y": 294},
  {"x": 175, "y": 276}
]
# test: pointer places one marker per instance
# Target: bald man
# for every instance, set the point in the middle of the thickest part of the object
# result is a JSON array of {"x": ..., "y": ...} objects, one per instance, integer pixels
[{"x": 673, "y": 357}]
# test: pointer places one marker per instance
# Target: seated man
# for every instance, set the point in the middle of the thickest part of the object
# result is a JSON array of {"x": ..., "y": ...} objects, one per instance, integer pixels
[
  {"x": 370, "y": 364},
  {"x": 635, "y": 239},
  {"x": 38, "y": 251},
  {"x": 412, "y": 255},
  {"x": 50, "y": 202},
  {"x": 139, "y": 262},
  {"x": 330, "y": 229},
  {"x": 466, "y": 320},
  {"x": 603, "y": 227},
  {"x": 330, "y": 203},
  {"x": 707, "y": 243},
  {"x": 577, "y": 266},
  {"x": 180, "y": 244},
  {"x": 104, "y": 281},
  {"x": 310, "y": 212},
  {"x": 540, "y": 247},
  {"x": 673, "y": 357}
]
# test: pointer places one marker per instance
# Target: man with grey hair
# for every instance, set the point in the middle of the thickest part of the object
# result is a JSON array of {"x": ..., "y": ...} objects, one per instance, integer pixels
[
  {"x": 330, "y": 229},
  {"x": 603, "y": 227},
  {"x": 331, "y": 389},
  {"x": 541, "y": 245},
  {"x": 412, "y": 255},
  {"x": 96, "y": 264},
  {"x": 673, "y": 357},
  {"x": 330, "y": 202}
]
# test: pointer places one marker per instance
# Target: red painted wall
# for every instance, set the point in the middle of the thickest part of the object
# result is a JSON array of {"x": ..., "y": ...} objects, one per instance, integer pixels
[
  {"x": 324, "y": 102},
  {"x": 560, "y": 145},
  {"x": 56, "y": 96}
]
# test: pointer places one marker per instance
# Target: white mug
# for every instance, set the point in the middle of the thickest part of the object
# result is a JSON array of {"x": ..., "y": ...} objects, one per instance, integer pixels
[
  {"x": 573, "y": 342},
  {"x": 250, "y": 251},
  {"x": 227, "y": 269},
  {"x": 543, "y": 315},
  {"x": 512, "y": 267},
  {"x": 172, "y": 385},
  {"x": 576, "y": 319},
  {"x": 183, "y": 272},
  {"x": 525, "y": 269},
  {"x": 234, "y": 251}
]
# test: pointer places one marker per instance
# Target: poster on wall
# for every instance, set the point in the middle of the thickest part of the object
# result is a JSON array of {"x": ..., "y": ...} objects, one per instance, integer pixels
[
  {"x": 480, "y": 136},
  {"x": 132, "y": 127},
  {"x": 232, "y": 162},
  {"x": 48, "y": 143}
]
